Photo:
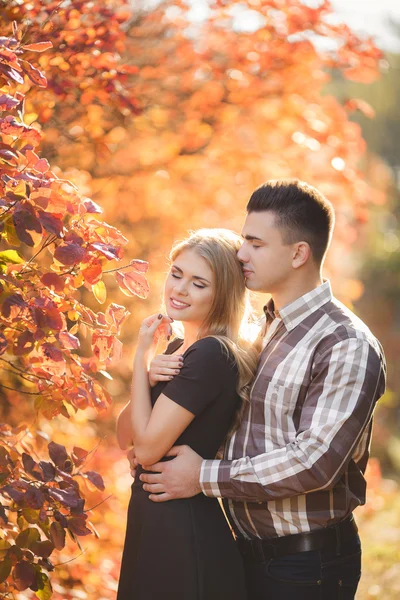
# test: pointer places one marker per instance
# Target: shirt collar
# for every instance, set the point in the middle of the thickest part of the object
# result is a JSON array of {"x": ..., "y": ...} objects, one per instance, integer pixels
[{"x": 294, "y": 313}]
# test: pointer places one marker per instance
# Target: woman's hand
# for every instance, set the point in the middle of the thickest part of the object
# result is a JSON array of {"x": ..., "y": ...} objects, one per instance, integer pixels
[
  {"x": 150, "y": 332},
  {"x": 164, "y": 367}
]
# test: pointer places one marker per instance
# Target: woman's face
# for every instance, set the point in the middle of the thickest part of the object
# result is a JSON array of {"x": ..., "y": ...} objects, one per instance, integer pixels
[{"x": 189, "y": 288}]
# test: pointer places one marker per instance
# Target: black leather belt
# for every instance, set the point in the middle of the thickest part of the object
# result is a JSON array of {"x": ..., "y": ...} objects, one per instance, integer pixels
[{"x": 329, "y": 538}]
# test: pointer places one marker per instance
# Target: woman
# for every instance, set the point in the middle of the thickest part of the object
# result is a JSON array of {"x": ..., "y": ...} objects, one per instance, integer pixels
[{"x": 184, "y": 550}]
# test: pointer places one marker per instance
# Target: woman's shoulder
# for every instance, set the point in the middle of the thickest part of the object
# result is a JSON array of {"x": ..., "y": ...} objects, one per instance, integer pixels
[{"x": 212, "y": 350}]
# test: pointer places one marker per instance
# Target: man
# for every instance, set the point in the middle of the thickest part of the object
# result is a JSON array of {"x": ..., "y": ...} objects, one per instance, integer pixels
[{"x": 294, "y": 471}]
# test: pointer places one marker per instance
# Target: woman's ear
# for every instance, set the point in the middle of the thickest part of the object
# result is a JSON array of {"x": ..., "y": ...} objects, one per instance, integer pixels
[{"x": 301, "y": 254}]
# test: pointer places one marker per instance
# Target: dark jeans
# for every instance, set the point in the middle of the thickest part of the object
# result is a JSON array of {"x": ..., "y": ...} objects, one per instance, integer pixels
[{"x": 315, "y": 575}]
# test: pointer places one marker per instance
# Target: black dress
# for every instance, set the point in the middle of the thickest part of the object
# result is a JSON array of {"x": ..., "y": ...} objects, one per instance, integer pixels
[{"x": 183, "y": 549}]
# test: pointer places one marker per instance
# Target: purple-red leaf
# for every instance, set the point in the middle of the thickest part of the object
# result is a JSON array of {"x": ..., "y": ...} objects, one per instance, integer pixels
[
  {"x": 69, "y": 254},
  {"x": 96, "y": 479},
  {"x": 58, "y": 454},
  {"x": 23, "y": 575}
]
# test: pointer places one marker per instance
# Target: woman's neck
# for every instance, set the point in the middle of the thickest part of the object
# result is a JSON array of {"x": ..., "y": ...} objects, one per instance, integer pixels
[{"x": 191, "y": 335}]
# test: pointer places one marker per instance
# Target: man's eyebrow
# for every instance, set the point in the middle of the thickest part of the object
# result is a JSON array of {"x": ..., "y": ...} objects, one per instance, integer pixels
[
  {"x": 193, "y": 277},
  {"x": 251, "y": 238}
]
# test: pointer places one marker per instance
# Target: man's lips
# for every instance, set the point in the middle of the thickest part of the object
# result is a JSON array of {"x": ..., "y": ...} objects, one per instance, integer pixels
[
  {"x": 247, "y": 272},
  {"x": 178, "y": 304}
]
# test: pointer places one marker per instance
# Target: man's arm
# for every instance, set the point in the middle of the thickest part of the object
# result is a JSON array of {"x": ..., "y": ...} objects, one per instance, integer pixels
[{"x": 347, "y": 381}]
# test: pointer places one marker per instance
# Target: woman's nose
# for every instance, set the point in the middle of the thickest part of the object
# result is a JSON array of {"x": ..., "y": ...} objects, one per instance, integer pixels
[{"x": 181, "y": 287}]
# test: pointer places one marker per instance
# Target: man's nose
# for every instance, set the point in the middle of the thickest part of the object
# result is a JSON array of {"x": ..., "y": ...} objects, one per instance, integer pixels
[{"x": 242, "y": 254}]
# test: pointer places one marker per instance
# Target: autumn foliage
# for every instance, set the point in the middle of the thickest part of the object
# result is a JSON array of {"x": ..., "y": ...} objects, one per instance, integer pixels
[
  {"x": 170, "y": 124},
  {"x": 40, "y": 317}
]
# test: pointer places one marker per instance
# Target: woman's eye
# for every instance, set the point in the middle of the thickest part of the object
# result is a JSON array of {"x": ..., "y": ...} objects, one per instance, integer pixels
[
  {"x": 175, "y": 276},
  {"x": 199, "y": 286}
]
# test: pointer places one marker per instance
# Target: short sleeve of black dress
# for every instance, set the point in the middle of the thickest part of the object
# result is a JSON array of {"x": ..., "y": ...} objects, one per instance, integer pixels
[{"x": 206, "y": 371}]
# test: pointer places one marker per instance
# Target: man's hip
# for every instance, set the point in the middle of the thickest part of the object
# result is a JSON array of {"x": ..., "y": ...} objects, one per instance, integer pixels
[{"x": 324, "y": 566}]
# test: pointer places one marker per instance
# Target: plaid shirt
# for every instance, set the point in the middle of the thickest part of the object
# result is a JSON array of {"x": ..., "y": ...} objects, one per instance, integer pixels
[{"x": 298, "y": 459}]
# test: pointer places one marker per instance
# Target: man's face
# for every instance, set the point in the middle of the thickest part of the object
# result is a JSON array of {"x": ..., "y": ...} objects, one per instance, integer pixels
[{"x": 267, "y": 261}]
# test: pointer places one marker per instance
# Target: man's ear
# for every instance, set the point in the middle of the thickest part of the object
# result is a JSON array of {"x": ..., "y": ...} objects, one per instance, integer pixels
[{"x": 301, "y": 254}]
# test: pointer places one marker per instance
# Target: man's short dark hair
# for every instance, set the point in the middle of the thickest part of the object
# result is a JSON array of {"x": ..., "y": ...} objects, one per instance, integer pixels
[{"x": 302, "y": 213}]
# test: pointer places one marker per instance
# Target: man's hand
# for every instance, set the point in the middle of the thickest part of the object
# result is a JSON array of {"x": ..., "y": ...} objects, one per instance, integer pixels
[
  {"x": 177, "y": 478},
  {"x": 131, "y": 456}
]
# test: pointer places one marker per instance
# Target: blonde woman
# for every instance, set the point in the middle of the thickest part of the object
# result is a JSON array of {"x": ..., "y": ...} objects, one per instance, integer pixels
[{"x": 184, "y": 550}]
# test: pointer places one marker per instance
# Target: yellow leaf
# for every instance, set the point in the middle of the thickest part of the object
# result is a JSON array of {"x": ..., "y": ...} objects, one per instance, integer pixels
[{"x": 100, "y": 292}]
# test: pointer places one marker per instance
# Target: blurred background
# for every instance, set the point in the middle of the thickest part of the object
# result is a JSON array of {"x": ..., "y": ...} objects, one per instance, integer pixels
[{"x": 223, "y": 96}]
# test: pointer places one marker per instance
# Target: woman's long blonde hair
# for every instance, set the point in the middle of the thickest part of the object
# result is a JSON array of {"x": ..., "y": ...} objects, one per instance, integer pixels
[{"x": 230, "y": 313}]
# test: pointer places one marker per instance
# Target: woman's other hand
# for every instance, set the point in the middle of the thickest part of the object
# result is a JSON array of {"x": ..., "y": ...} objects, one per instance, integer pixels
[
  {"x": 150, "y": 332},
  {"x": 164, "y": 367}
]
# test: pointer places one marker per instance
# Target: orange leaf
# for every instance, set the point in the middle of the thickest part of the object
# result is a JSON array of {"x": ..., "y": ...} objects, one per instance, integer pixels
[{"x": 38, "y": 47}]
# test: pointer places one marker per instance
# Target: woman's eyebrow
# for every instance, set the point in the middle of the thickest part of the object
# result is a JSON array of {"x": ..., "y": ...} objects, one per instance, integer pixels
[
  {"x": 201, "y": 279},
  {"x": 193, "y": 276}
]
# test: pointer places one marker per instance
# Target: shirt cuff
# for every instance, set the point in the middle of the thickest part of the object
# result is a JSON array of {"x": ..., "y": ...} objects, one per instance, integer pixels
[{"x": 214, "y": 476}]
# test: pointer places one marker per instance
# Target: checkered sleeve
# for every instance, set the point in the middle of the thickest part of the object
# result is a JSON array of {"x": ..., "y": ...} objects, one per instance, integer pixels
[{"x": 347, "y": 380}]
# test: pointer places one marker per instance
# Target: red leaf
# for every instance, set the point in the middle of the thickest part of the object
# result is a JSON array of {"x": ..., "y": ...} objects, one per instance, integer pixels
[
  {"x": 34, "y": 498},
  {"x": 96, "y": 479},
  {"x": 8, "y": 102},
  {"x": 65, "y": 497},
  {"x": 51, "y": 223},
  {"x": 115, "y": 315},
  {"x": 78, "y": 455},
  {"x": 25, "y": 220},
  {"x": 58, "y": 454},
  {"x": 25, "y": 343},
  {"x": 12, "y": 306},
  {"x": 10, "y": 126},
  {"x": 69, "y": 254},
  {"x": 68, "y": 340},
  {"x": 48, "y": 469},
  {"x": 52, "y": 280},
  {"x": 133, "y": 283},
  {"x": 23, "y": 575},
  {"x": 93, "y": 272},
  {"x": 90, "y": 206},
  {"x": 34, "y": 74},
  {"x": 139, "y": 265},
  {"x": 78, "y": 526},
  {"x": 38, "y": 47},
  {"x": 43, "y": 549},
  {"x": 102, "y": 345},
  {"x": 3, "y": 343},
  {"x": 11, "y": 73},
  {"x": 57, "y": 535},
  {"x": 109, "y": 251}
]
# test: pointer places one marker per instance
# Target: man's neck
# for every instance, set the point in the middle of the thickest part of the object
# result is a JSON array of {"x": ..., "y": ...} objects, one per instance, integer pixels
[{"x": 293, "y": 291}]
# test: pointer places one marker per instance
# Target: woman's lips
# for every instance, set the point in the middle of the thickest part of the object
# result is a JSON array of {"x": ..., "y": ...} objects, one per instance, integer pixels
[
  {"x": 246, "y": 273},
  {"x": 177, "y": 304}
]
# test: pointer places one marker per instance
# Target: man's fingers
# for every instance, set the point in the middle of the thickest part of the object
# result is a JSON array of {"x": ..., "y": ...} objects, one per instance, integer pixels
[
  {"x": 157, "y": 468},
  {"x": 155, "y": 488},
  {"x": 160, "y": 497},
  {"x": 150, "y": 477},
  {"x": 175, "y": 450}
]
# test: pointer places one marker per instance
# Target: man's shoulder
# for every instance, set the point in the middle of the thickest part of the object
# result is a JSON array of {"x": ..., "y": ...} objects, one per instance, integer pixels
[{"x": 341, "y": 324}]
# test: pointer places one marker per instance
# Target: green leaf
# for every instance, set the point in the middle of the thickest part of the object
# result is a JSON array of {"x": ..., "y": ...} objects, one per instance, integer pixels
[
  {"x": 11, "y": 256},
  {"x": 45, "y": 590},
  {"x": 4, "y": 546},
  {"x": 27, "y": 537},
  {"x": 5, "y": 568}
]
